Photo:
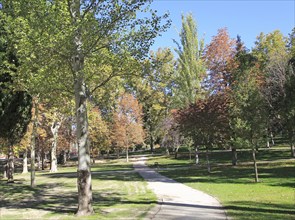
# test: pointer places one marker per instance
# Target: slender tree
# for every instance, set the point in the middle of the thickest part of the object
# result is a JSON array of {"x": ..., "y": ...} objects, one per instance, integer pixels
[{"x": 191, "y": 67}]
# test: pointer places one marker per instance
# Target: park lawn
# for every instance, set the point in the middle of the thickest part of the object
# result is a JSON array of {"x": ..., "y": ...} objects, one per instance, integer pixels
[
  {"x": 118, "y": 193},
  {"x": 272, "y": 198}
]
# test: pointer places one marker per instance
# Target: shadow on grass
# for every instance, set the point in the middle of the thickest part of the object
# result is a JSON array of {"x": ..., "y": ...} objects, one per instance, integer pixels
[
  {"x": 52, "y": 198},
  {"x": 237, "y": 174},
  {"x": 245, "y": 210}
]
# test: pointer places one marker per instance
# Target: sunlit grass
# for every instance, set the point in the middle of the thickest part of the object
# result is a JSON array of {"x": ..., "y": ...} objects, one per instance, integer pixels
[
  {"x": 118, "y": 193},
  {"x": 272, "y": 198}
]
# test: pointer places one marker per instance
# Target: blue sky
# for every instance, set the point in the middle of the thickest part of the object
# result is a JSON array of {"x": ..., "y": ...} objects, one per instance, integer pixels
[{"x": 246, "y": 18}]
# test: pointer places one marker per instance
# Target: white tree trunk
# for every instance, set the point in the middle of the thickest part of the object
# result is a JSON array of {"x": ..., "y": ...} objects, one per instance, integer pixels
[
  {"x": 127, "y": 154},
  {"x": 10, "y": 165},
  {"x": 54, "y": 129},
  {"x": 196, "y": 155},
  {"x": 33, "y": 142},
  {"x": 255, "y": 165},
  {"x": 25, "y": 161}
]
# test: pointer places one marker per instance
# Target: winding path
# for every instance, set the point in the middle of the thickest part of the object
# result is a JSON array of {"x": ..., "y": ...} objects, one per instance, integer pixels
[{"x": 176, "y": 200}]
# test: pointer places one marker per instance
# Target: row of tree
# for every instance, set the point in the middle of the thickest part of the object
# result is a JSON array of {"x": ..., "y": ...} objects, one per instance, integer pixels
[
  {"x": 87, "y": 59},
  {"x": 241, "y": 97},
  {"x": 68, "y": 52}
]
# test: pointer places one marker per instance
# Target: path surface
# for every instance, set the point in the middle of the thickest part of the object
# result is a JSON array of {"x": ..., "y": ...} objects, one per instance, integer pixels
[{"x": 176, "y": 200}]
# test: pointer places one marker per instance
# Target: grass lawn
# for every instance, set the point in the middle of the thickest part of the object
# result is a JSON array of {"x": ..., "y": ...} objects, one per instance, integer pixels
[
  {"x": 118, "y": 193},
  {"x": 272, "y": 198}
]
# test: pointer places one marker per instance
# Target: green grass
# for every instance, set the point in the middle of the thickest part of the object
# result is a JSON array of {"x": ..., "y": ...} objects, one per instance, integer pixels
[
  {"x": 118, "y": 193},
  {"x": 272, "y": 198}
]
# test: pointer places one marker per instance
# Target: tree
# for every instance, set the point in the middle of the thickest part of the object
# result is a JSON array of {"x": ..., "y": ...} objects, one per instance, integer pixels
[
  {"x": 127, "y": 123},
  {"x": 271, "y": 53},
  {"x": 92, "y": 32},
  {"x": 288, "y": 106},
  {"x": 191, "y": 69},
  {"x": 219, "y": 56},
  {"x": 247, "y": 107},
  {"x": 99, "y": 132},
  {"x": 154, "y": 91},
  {"x": 15, "y": 106},
  {"x": 206, "y": 122}
]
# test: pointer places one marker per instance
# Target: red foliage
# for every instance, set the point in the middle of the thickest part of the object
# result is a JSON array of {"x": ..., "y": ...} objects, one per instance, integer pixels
[
  {"x": 219, "y": 56},
  {"x": 206, "y": 121}
]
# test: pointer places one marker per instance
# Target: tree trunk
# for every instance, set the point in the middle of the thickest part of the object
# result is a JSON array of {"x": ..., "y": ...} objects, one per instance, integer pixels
[
  {"x": 176, "y": 152},
  {"x": 234, "y": 156},
  {"x": 208, "y": 161},
  {"x": 42, "y": 159},
  {"x": 5, "y": 171},
  {"x": 292, "y": 150},
  {"x": 152, "y": 143},
  {"x": 39, "y": 160},
  {"x": 267, "y": 143},
  {"x": 127, "y": 154},
  {"x": 25, "y": 161},
  {"x": 272, "y": 139},
  {"x": 64, "y": 157},
  {"x": 10, "y": 165},
  {"x": 33, "y": 142},
  {"x": 196, "y": 155},
  {"x": 255, "y": 165},
  {"x": 54, "y": 130},
  {"x": 77, "y": 66},
  {"x": 167, "y": 152},
  {"x": 118, "y": 153},
  {"x": 84, "y": 173}
]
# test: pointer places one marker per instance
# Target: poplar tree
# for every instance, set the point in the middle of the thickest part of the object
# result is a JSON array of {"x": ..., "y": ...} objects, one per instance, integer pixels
[{"x": 191, "y": 68}]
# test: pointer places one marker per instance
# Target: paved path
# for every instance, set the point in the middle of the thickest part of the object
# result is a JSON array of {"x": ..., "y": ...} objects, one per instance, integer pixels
[{"x": 176, "y": 200}]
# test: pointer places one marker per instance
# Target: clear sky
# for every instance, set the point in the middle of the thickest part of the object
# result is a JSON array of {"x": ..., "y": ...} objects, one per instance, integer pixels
[{"x": 246, "y": 18}]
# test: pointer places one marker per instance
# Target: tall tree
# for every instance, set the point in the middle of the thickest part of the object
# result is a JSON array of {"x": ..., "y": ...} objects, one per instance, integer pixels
[
  {"x": 92, "y": 32},
  {"x": 247, "y": 107},
  {"x": 191, "y": 67}
]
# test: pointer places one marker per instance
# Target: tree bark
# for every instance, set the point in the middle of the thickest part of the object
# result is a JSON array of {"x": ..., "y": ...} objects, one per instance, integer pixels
[
  {"x": 196, "y": 155},
  {"x": 127, "y": 154},
  {"x": 5, "y": 171},
  {"x": 255, "y": 165},
  {"x": 208, "y": 161},
  {"x": 152, "y": 143},
  {"x": 10, "y": 165},
  {"x": 77, "y": 66},
  {"x": 272, "y": 139},
  {"x": 33, "y": 142},
  {"x": 167, "y": 152},
  {"x": 234, "y": 156},
  {"x": 84, "y": 173},
  {"x": 43, "y": 159},
  {"x": 292, "y": 150},
  {"x": 176, "y": 152},
  {"x": 39, "y": 159},
  {"x": 25, "y": 161},
  {"x": 53, "y": 162}
]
